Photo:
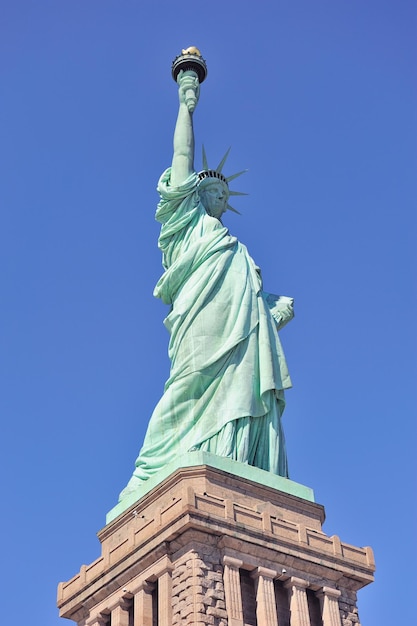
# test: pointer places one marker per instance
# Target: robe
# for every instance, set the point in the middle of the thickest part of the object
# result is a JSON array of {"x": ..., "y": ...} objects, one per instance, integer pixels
[{"x": 225, "y": 392}]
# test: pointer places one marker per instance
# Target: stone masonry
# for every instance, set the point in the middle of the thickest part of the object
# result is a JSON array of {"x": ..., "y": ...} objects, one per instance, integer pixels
[
  {"x": 197, "y": 584},
  {"x": 207, "y": 548}
]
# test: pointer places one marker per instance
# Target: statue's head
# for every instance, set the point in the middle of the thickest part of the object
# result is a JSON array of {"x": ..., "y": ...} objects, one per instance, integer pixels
[
  {"x": 214, "y": 196},
  {"x": 214, "y": 189}
]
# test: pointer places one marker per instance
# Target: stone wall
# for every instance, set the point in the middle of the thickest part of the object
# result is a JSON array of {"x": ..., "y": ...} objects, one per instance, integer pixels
[
  {"x": 206, "y": 548},
  {"x": 197, "y": 582}
]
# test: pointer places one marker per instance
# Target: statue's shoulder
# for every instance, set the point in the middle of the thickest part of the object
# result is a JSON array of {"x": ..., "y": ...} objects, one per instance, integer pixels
[{"x": 168, "y": 191}]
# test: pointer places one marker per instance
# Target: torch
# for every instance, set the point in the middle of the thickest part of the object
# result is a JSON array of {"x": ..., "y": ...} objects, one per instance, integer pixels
[{"x": 192, "y": 64}]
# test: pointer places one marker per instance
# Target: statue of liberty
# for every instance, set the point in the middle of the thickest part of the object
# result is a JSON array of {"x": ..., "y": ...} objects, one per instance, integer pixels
[{"x": 225, "y": 392}]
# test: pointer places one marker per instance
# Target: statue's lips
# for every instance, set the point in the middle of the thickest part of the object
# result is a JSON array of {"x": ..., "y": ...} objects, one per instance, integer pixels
[{"x": 217, "y": 208}]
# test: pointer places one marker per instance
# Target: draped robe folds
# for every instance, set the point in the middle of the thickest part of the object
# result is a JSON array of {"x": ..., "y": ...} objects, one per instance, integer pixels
[{"x": 226, "y": 358}]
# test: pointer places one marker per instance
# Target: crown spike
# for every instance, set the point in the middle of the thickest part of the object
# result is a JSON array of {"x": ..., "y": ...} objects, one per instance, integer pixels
[
  {"x": 233, "y": 176},
  {"x": 205, "y": 162},
  {"x": 230, "y": 208},
  {"x": 223, "y": 161},
  {"x": 237, "y": 193}
]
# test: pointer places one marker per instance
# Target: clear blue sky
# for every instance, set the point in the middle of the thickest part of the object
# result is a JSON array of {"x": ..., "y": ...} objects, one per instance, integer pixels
[{"x": 318, "y": 100}]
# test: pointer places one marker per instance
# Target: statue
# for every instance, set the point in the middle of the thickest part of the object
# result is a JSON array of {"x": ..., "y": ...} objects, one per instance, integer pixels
[{"x": 225, "y": 393}]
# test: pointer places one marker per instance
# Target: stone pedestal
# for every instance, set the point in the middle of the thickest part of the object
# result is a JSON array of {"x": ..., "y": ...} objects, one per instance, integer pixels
[{"x": 207, "y": 547}]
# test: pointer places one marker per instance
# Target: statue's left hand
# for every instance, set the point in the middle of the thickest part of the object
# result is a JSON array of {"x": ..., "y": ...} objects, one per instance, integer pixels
[{"x": 281, "y": 307}]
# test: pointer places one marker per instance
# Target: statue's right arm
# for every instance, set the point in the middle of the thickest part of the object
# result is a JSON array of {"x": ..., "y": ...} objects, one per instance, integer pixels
[{"x": 183, "y": 159}]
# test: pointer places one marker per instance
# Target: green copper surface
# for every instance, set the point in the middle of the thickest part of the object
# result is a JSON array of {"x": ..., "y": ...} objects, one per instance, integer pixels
[{"x": 225, "y": 393}]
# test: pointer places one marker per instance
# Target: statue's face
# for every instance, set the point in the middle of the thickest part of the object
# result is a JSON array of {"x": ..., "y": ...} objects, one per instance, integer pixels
[{"x": 214, "y": 197}]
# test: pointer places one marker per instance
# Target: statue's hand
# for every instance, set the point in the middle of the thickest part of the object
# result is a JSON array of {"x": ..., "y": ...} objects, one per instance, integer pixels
[
  {"x": 281, "y": 307},
  {"x": 189, "y": 89}
]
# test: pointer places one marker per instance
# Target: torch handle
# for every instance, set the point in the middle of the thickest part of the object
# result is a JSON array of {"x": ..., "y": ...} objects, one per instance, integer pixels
[
  {"x": 190, "y": 82},
  {"x": 190, "y": 99}
]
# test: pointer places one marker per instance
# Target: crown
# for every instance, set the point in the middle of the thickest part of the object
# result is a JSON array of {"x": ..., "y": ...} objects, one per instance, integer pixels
[{"x": 207, "y": 173}]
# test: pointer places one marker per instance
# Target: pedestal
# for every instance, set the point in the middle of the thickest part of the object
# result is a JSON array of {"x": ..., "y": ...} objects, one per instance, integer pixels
[{"x": 208, "y": 547}]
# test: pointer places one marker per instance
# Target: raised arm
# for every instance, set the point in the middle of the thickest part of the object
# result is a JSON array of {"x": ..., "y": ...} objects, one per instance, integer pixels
[{"x": 183, "y": 159}]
